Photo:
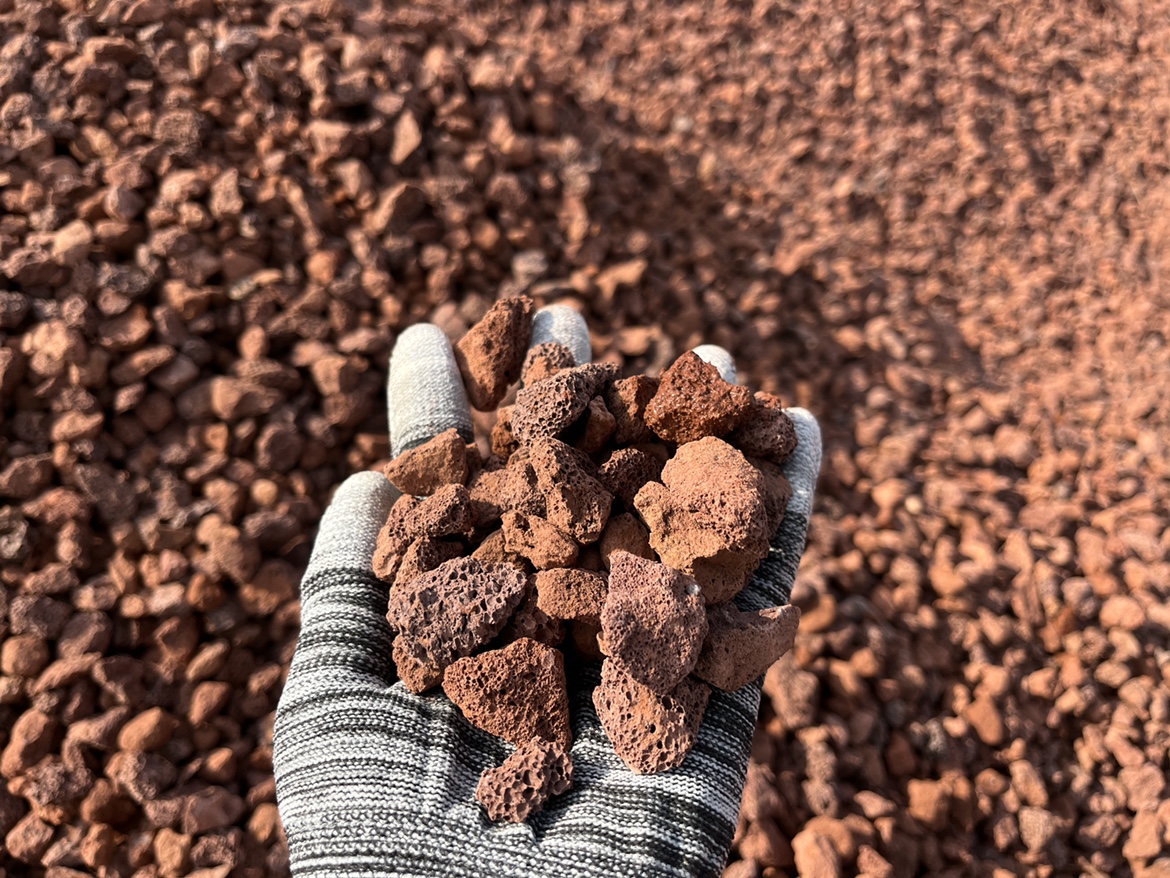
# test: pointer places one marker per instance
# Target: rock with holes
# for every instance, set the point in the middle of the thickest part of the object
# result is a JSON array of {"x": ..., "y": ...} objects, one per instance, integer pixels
[
  {"x": 707, "y": 516},
  {"x": 649, "y": 732},
  {"x": 445, "y": 513},
  {"x": 425, "y": 469},
  {"x": 575, "y": 501},
  {"x": 423, "y": 554},
  {"x": 545, "y": 360},
  {"x": 549, "y": 406},
  {"x": 625, "y": 472},
  {"x": 519, "y": 788},
  {"x": 491, "y": 353},
  {"x": 740, "y": 646},
  {"x": 541, "y": 542},
  {"x": 516, "y": 693},
  {"x": 694, "y": 401},
  {"x": 767, "y": 431},
  {"x": 653, "y": 622},
  {"x": 456, "y": 608},
  {"x": 626, "y": 399}
]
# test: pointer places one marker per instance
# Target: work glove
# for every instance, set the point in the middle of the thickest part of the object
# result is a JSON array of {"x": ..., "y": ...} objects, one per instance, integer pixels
[{"x": 373, "y": 780}]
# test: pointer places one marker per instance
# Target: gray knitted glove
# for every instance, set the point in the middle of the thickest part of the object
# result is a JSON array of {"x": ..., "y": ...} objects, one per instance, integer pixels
[{"x": 374, "y": 781}]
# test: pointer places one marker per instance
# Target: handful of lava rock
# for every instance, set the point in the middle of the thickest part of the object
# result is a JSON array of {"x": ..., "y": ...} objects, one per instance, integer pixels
[{"x": 616, "y": 515}]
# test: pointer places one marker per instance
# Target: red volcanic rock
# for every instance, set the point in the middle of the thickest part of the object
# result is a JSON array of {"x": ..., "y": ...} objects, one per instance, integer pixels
[
  {"x": 536, "y": 772},
  {"x": 767, "y": 431},
  {"x": 490, "y": 355},
  {"x": 575, "y": 501},
  {"x": 740, "y": 647},
  {"x": 542, "y": 543},
  {"x": 694, "y": 401},
  {"x": 549, "y": 406},
  {"x": 545, "y": 360},
  {"x": 425, "y": 469},
  {"x": 571, "y": 593},
  {"x": 626, "y": 400}
]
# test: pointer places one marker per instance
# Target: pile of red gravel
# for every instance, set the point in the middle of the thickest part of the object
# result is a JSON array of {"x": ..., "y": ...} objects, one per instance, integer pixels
[{"x": 945, "y": 226}]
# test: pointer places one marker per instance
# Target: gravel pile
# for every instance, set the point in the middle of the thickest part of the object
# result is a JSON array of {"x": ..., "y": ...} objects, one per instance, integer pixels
[{"x": 941, "y": 228}]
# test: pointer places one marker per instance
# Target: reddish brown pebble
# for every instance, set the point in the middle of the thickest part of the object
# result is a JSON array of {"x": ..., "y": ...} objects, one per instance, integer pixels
[
  {"x": 767, "y": 431},
  {"x": 503, "y": 441},
  {"x": 707, "y": 516},
  {"x": 445, "y": 513},
  {"x": 547, "y": 408},
  {"x": 520, "y": 491},
  {"x": 626, "y": 471},
  {"x": 415, "y": 667},
  {"x": 649, "y": 732},
  {"x": 777, "y": 492},
  {"x": 545, "y": 360},
  {"x": 626, "y": 400},
  {"x": 571, "y": 593},
  {"x": 457, "y": 607},
  {"x": 423, "y": 555},
  {"x": 494, "y": 549},
  {"x": 519, "y": 788},
  {"x": 392, "y": 538},
  {"x": 484, "y": 493},
  {"x": 741, "y": 646},
  {"x": 516, "y": 693},
  {"x": 491, "y": 353},
  {"x": 575, "y": 501},
  {"x": 625, "y": 533},
  {"x": 542, "y": 543},
  {"x": 593, "y": 429},
  {"x": 694, "y": 401},
  {"x": 653, "y": 622},
  {"x": 425, "y": 469},
  {"x": 531, "y": 621}
]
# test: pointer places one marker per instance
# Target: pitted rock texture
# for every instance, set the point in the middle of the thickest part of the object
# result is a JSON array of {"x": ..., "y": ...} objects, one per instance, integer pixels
[
  {"x": 422, "y": 555},
  {"x": 503, "y": 440},
  {"x": 767, "y": 431},
  {"x": 571, "y": 593},
  {"x": 425, "y": 469},
  {"x": 494, "y": 549},
  {"x": 484, "y": 491},
  {"x": 545, "y": 360},
  {"x": 532, "y": 622},
  {"x": 575, "y": 501},
  {"x": 491, "y": 353},
  {"x": 777, "y": 492},
  {"x": 740, "y": 646},
  {"x": 625, "y": 533},
  {"x": 707, "y": 516},
  {"x": 625, "y": 472},
  {"x": 393, "y": 540},
  {"x": 445, "y": 513},
  {"x": 653, "y": 622},
  {"x": 538, "y": 540},
  {"x": 520, "y": 490},
  {"x": 694, "y": 401},
  {"x": 549, "y": 406},
  {"x": 626, "y": 400},
  {"x": 456, "y": 608},
  {"x": 527, "y": 779},
  {"x": 649, "y": 732},
  {"x": 417, "y": 670},
  {"x": 593, "y": 429},
  {"x": 516, "y": 693}
]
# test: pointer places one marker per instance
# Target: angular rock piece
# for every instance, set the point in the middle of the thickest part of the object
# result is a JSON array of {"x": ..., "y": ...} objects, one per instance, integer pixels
[
  {"x": 516, "y": 693},
  {"x": 741, "y": 646},
  {"x": 626, "y": 471},
  {"x": 520, "y": 787},
  {"x": 593, "y": 429},
  {"x": 494, "y": 550},
  {"x": 542, "y": 543},
  {"x": 694, "y": 401},
  {"x": 548, "y": 407},
  {"x": 584, "y": 636},
  {"x": 626, "y": 400},
  {"x": 777, "y": 492},
  {"x": 707, "y": 517},
  {"x": 531, "y": 621},
  {"x": 416, "y": 669},
  {"x": 491, "y": 353},
  {"x": 456, "y": 608},
  {"x": 625, "y": 533},
  {"x": 425, "y": 553},
  {"x": 392, "y": 539},
  {"x": 504, "y": 442},
  {"x": 445, "y": 513},
  {"x": 767, "y": 432},
  {"x": 425, "y": 469},
  {"x": 571, "y": 593},
  {"x": 545, "y": 360},
  {"x": 520, "y": 491},
  {"x": 575, "y": 501},
  {"x": 653, "y": 622},
  {"x": 484, "y": 490},
  {"x": 649, "y": 732}
]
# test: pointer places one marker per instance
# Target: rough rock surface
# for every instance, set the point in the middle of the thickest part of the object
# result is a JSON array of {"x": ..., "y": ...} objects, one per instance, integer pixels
[
  {"x": 517, "y": 693},
  {"x": 740, "y": 646},
  {"x": 707, "y": 516},
  {"x": 653, "y": 622},
  {"x": 571, "y": 593},
  {"x": 460, "y": 605},
  {"x": 551, "y": 405},
  {"x": 693, "y": 401},
  {"x": 425, "y": 469},
  {"x": 516, "y": 790},
  {"x": 649, "y": 731},
  {"x": 767, "y": 431},
  {"x": 491, "y": 353},
  {"x": 626, "y": 400},
  {"x": 574, "y": 500},
  {"x": 545, "y": 360},
  {"x": 625, "y": 533},
  {"x": 626, "y": 470},
  {"x": 538, "y": 540},
  {"x": 445, "y": 513}
]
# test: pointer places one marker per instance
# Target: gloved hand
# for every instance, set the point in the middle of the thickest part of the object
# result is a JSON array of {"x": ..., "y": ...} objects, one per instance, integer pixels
[{"x": 374, "y": 781}]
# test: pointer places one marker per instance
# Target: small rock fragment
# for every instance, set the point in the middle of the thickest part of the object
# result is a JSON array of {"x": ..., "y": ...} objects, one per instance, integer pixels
[
  {"x": 571, "y": 593},
  {"x": 626, "y": 471},
  {"x": 548, "y": 407},
  {"x": 445, "y": 513},
  {"x": 516, "y": 693},
  {"x": 767, "y": 431},
  {"x": 625, "y": 533},
  {"x": 694, "y": 401},
  {"x": 575, "y": 501},
  {"x": 626, "y": 400},
  {"x": 491, "y": 353},
  {"x": 741, "y": 646},
  {"x": 542, "y": 543},
  {"x": 425, "y": 469},
  {"x": 545, "y": 360},
  {"x": 423, "y": 555},
  {"x": 649, "y": 732},
  {"x": 519, "y": 788},
  {"x": 653, "y": 622}
]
